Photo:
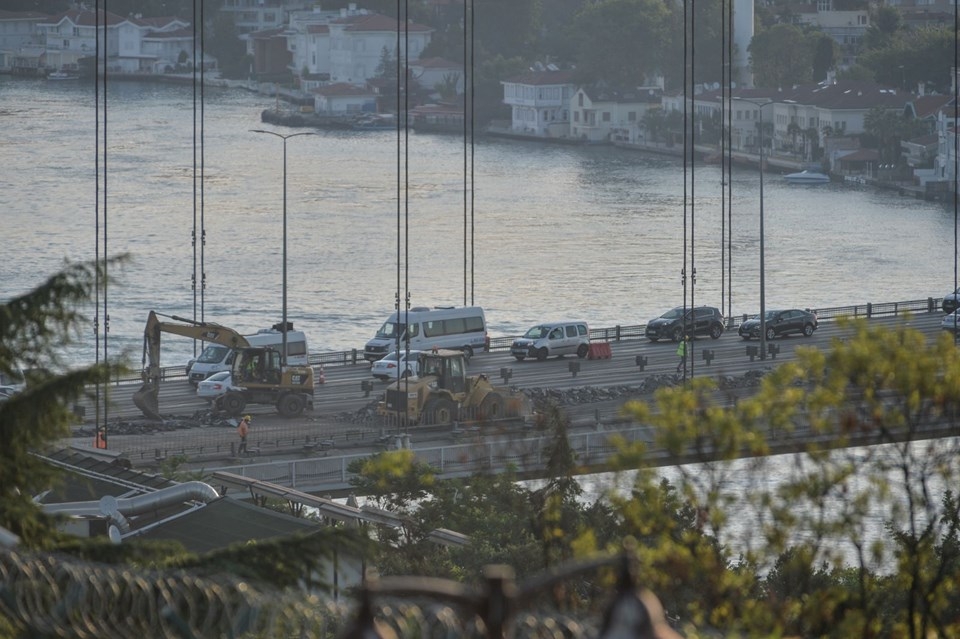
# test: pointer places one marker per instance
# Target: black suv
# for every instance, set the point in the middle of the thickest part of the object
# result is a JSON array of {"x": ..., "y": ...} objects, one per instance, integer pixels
[{"x": 701, "y": 320}]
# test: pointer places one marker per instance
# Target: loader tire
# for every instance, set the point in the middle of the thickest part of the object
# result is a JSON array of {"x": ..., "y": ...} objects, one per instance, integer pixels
[
  {"x": 491, "y": 408},
  {"x": 439, "y": 410}
]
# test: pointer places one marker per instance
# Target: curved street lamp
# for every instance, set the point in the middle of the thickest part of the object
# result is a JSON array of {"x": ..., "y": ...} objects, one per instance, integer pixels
[{"x": 283, "y": 356}]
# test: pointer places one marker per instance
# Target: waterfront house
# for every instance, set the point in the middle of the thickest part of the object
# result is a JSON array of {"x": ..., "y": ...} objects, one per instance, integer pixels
[
  {"x": 540, "y": 103},
  {"x": 601, "y": 114},
  {"x": 18, "y": 34},
  {"x": 132, "y": 45},
  {"x": 342, "y": 98}
]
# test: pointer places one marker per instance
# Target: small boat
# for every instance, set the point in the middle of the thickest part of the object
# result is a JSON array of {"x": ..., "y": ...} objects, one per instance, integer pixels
[
  {"x": 807, "y": 177},
  {"x": 63, "y": 75},
  {"x": 375, "y": 122}
]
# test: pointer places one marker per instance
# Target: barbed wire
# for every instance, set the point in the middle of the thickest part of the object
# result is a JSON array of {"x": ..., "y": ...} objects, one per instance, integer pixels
[{"x": 48, "y": 595}]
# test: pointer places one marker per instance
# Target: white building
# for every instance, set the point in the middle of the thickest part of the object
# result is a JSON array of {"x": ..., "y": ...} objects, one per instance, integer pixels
[
  {"x": 131, "y": 45},
  {"x": 343, "y": 98},
  {"x": 540, "y": 103},
  {"x": 601, "y": 115},
  {"x": 358, "y": 44}
]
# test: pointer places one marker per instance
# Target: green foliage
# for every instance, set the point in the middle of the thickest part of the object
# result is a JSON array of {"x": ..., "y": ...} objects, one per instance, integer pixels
[
  {"x": 633, "y": 45},
  {"x": 913, "y": 56},
  {"x": 34, "y": 328},
  {"x": 885, "y": 129},
  {"x": 782, "y": 56},
  {"x": 804, "y": 555}
]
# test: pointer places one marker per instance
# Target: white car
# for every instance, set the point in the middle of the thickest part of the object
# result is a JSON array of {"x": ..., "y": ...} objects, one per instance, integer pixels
[
  {"x": 214, "y": 386},
  {"x": 388, "y": 368},
  {"x": 951, "y": 322}
]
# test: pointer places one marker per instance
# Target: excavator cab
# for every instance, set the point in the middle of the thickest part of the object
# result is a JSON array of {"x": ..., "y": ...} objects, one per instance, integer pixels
[{"x": 257, "y": 366}]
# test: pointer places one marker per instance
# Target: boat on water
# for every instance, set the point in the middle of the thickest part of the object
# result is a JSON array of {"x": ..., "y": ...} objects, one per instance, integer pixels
[
  {"x": 807, "y": 177},
  {"x": 63, "y": 75},
  {"x": 375, "y": 122}
]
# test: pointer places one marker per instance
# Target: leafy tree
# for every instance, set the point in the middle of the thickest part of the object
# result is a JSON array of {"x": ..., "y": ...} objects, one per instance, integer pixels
[
  {"x": 885, "y": 129},
  {"x": 914, "y": 56},
  {"x": 885, "y": 22},
  {"x": 830, "y": 570},
  {"x": 222, "y": 43},
  {"x": 35, "y": 330},
  {"x": 631, "y": 48},
  {"x": 781, "y": 56},
  {"x": 34, "y": 327},
  {"x": 825, "y": 54}
]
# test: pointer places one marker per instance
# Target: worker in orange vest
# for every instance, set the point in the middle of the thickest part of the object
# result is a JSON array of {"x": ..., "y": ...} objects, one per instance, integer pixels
[{"x": 243, "y": 429}]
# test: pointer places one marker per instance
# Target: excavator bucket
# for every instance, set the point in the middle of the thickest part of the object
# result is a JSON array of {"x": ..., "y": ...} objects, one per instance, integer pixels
[{"x": 147, "y": 399}]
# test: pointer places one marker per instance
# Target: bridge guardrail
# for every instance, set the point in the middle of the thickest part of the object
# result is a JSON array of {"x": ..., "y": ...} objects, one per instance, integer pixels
[{"x": 619, "y": 333}]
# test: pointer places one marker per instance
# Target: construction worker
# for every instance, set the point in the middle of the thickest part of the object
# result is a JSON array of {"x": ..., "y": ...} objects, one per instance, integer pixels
[
  {"x": 243, "y": 429},
  {"x": 682, "y": 354}
]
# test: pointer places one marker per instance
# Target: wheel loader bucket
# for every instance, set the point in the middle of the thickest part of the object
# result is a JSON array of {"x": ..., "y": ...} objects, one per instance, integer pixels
[
  {"x": 516, "y": 405},
  {"x": 147, "y": 399}
]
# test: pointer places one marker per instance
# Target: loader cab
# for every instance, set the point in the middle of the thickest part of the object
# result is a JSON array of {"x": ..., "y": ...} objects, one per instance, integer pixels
[{"x": 448, "y": 367}]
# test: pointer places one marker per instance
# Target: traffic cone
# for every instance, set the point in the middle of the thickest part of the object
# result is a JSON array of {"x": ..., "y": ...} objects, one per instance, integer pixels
[{"x": 323, "y": 376}]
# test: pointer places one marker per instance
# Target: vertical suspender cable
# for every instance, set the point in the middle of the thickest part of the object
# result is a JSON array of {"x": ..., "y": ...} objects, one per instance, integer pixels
[
  {"x": 723, "y": 149},
  {"x": 683, "y": 272},
  {"x": 106, "y": 283},
  {"x": 396, "y": 303},
  {"x": 406, "y": 160},
  {"x": 96, "y": 196},
  {"x": 465, "y": 185},
  {"x": 193, "y": 234},
  {"x": 203, "y": 227},
  {"x": 956, "y": 149},
  {"x": 693, "y": 180},
  {"x": 729, "y": 160},
  {"x": 473, "y": 125}
]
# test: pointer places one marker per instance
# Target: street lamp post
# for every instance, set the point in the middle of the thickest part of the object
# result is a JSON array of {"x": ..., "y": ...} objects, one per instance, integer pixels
[
  {"x": 763, "y": 279},
  {"x": 283, "y": 327}
]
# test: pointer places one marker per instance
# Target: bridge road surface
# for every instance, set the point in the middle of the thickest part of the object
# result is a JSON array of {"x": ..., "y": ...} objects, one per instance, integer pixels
[{"x": 342, "y": 392}]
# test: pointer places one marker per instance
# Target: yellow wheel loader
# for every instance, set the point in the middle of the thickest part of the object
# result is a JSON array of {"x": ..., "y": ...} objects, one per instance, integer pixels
[
  {"x": 257, "y": 374},
  {"x": 443, "y": 393}
]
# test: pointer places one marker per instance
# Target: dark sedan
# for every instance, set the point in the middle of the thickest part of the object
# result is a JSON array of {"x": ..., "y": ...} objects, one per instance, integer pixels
[{"x": 780, "y": 323}]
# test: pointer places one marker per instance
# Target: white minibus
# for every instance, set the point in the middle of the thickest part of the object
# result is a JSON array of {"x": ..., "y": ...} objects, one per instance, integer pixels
[
  {"x": 216, "y": 357},
  {"x": 457, "y": 328}
]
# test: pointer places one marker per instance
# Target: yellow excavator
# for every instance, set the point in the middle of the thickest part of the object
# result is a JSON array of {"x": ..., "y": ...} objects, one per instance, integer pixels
[{"x": 257, "y": 374}]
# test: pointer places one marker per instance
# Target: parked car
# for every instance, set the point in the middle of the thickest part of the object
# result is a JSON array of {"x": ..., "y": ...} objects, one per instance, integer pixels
[
  {"x": 779, "y": 323},
  {"x": 951, "y": 301},
  {"x": 951, "y": 322},
  {"x": 214, "y": 386},
  {"x": 674, "y": 324},
  {"x": 390, "y": 367},
  {"x": 553, "y": 339}
]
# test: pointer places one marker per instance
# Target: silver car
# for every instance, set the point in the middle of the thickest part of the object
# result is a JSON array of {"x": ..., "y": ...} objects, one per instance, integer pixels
[
  {"x": 951, "y": 322},
  {"x": 214, "y": 386},
  {"x": 388, "y": 368}
]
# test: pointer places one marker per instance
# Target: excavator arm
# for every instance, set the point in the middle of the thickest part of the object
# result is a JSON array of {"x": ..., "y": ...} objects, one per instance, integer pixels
[{"x": 147, "y": 398}]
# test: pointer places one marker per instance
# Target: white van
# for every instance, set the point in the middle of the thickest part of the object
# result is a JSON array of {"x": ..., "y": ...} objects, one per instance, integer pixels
[
  {"x": 553, "y": 339},
  {"x": 457, "y": 328},
  {"x": 216, "y": 357}
]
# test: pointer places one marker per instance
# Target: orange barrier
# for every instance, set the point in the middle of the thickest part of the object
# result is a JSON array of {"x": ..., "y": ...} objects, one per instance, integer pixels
[
  {"x": 100, "y": 439},
  {"x": 599, "y": 350}
]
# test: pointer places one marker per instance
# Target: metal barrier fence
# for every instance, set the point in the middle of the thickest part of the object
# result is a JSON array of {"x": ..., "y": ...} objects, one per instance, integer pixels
[{"x": 622, "y": 332}]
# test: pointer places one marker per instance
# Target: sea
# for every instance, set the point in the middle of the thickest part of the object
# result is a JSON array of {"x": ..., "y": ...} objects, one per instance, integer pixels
[{"x": 530, "y": 231}]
